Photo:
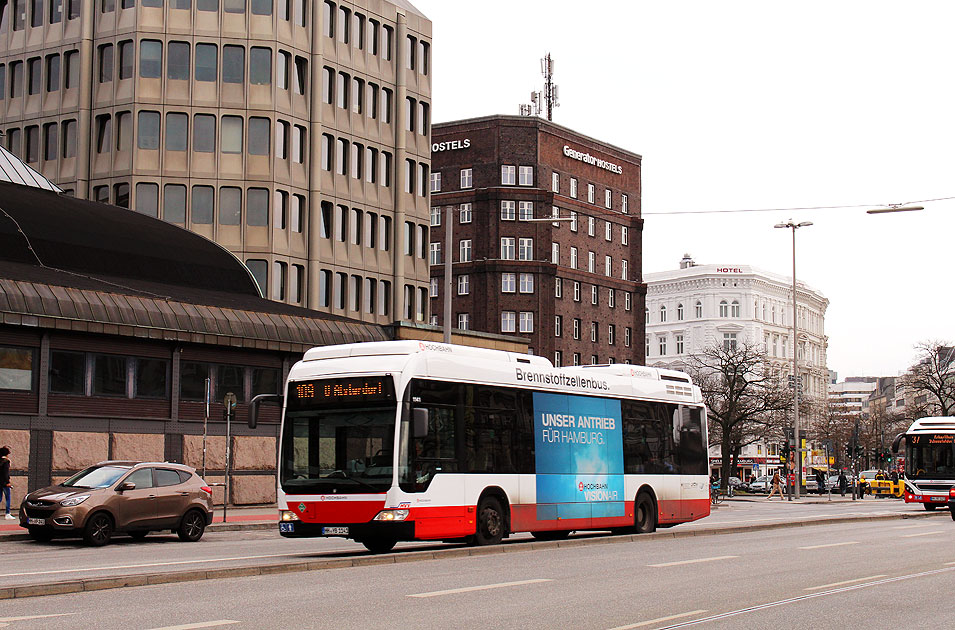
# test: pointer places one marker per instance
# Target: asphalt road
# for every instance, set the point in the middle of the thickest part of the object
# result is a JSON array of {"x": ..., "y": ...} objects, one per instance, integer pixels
[
  {"x": 868, "y": 574},
  {"x": 40, "y": 563}
]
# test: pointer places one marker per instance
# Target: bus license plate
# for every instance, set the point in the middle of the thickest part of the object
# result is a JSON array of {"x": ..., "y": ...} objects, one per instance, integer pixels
[
  {"x": 36, "y": 521},
  {"x": 287, "y": 527},
  {"x": 334, "y": 531}
]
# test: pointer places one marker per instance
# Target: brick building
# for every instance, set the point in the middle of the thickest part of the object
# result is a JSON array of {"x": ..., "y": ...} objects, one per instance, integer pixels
[
  {"x": 293, "y": 133},
  {"x": 572, "y": 287}
]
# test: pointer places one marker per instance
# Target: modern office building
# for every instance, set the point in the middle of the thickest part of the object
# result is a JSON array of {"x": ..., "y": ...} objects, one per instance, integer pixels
[
  {"x": 851, "y": 397},
  {"x": 110, "y": 325},
  {"x": 572, "y": 287},
  {"x": 697, "y": 306},
  {"x": 295, "y": 134}
]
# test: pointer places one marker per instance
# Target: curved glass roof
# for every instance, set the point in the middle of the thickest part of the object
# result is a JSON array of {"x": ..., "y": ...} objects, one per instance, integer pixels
[{"x": 12, "y": 169}]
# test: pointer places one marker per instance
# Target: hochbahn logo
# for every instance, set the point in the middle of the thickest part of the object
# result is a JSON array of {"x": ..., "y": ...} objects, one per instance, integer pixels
[{"x": 597, "y": 491}]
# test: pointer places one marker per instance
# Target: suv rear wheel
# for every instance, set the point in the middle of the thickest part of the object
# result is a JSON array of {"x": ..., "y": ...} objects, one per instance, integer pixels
[{"x": 192, "y": 527}]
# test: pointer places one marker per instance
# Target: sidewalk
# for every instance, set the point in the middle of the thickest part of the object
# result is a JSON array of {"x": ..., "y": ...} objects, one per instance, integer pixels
[
  {"x": 808, "y": 499},
  {"x": 238, "y": 517}
]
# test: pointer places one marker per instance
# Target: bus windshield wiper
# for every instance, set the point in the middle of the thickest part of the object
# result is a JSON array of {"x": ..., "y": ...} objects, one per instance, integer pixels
[{"x": 341, "y": 474}]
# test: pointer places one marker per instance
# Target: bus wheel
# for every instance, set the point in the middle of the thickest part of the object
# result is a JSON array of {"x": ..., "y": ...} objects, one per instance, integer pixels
[
  {"x": 645, "y": 516},
  {"x": 379, "y": 544},
  {"x": 929, "y": 506},
  {"x": 551, "y": 535},
  {"x": 490, "y": 525}
]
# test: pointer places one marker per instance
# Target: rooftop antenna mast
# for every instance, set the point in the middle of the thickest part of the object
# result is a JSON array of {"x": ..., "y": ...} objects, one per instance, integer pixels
[
  {"x": 550, "y": 90},
  {"x": 547, "y": 98}
]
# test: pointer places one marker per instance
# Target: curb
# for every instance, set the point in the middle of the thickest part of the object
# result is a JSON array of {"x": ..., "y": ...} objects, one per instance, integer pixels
[
  {"x": 103, "y": 583},
  {"x": 215, "y": 527}
]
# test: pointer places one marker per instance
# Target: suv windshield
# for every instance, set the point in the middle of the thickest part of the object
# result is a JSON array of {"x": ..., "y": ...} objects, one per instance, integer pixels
[
  {"x": 342, "y": 451},
  {"x": 96, "y": 477}
]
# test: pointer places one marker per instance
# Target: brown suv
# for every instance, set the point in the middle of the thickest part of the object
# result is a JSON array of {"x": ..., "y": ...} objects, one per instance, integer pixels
[{"x": 117, "y": 496}]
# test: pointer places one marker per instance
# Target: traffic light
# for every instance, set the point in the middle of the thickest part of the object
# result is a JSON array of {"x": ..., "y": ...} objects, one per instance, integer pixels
[
  {"x": 848, "y": 450},
  {"x": 784, "y": 452}
]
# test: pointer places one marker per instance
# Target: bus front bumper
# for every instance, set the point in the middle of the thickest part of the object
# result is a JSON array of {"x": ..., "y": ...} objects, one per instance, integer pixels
[{"x": 400, "y": 530}]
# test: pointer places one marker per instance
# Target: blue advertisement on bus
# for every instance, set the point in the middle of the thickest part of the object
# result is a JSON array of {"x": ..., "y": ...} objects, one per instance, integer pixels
[{"x": 579, "y": 457}]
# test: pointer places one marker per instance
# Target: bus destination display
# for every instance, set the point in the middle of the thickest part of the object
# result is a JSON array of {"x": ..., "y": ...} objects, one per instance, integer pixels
[{"x": 334, "y": 391}]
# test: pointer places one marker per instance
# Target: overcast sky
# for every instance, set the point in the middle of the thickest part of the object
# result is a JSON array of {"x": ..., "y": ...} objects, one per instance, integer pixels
[{"x": 748, "y": 105}]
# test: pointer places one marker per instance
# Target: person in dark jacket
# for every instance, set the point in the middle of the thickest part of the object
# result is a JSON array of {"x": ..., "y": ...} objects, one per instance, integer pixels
[
  {"x": 5, "y": 478},
  {"x": 843, "y": 483}
]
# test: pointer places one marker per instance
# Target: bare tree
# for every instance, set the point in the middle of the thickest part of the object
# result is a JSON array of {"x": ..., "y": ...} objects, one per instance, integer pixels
[
  {"x": 742, "y": 396},
  {"x": 934, "y": 375}
]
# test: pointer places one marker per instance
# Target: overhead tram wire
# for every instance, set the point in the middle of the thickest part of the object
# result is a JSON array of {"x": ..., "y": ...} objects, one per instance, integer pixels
[{"x": 889, "y": 207}]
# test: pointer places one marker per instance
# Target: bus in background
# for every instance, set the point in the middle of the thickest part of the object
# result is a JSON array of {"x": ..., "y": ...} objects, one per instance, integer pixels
[
  {"x": 929, "y": 461},
  {"x": 404, "y": 440}
]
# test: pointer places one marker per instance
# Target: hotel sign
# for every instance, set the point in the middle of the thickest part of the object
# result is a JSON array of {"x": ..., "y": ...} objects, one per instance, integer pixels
[
  {"x": 590, "y": 159},
  {"x": 450, "y": 145}
]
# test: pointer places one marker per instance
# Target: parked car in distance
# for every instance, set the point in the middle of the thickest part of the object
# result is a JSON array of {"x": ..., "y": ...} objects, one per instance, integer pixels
[
  {"x": 120, "y": 496},
  {"x": 761, "y": 484}
]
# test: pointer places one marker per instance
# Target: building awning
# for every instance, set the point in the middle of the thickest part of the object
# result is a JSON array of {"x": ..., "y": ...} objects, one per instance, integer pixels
[{"x": 39, "y": 305}]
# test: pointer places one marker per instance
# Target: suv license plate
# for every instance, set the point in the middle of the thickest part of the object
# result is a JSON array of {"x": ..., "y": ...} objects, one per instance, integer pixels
[
  {"x": 36, "y": 521},
  {"x": 287, "y": 527},
  {"x": 334, "y": 531}
]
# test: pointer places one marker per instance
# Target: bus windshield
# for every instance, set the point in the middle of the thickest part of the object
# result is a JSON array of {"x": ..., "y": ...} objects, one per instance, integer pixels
[
  {"x": 930, "y": 457},
  {"x": 344, "y": 451}
]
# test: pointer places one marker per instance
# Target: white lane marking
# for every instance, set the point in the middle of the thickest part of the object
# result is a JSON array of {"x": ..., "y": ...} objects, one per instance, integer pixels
[
  {"x": 659, "y": 620},
  {"x": 201, "y": 624},
  {"x": 9, "y": 619},
  {"x": 698, "y": 560},
  {"x": 913, "y": 526},
  {"x": 148, "y": 564},
  {"x": 843, "y": 583},
  {"x": 937, "y": 531},
  {"x": 800, "y": 598},
  {"x": 842, "y": 544},
  {"x": 948, "y": 564},
  {"x": 468, "y": 589}
]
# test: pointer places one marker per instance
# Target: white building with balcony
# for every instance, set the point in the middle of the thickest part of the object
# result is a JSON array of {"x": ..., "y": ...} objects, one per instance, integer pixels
[{"x": 696, "y": 306}]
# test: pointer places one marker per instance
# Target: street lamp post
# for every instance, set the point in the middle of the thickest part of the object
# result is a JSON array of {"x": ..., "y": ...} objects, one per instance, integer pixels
[{"x": 795, "y": 226}]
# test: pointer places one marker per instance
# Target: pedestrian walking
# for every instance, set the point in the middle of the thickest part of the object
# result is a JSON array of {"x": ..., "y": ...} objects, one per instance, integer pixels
[
  {"x": 776, "y": 487},
  {"x": 843, "y": 483},
  {"x": 820, "y": 482},
  {"x": 5, "y": 478}
]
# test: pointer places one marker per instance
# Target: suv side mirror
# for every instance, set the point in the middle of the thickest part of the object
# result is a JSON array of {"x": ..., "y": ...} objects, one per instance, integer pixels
[
  {"x": 420, "y": 416},
  {"x": 126, "y": 485}
]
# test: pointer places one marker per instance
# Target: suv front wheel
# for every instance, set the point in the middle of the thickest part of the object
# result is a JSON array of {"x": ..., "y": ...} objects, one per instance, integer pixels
[{"x": 98, "y": 530}]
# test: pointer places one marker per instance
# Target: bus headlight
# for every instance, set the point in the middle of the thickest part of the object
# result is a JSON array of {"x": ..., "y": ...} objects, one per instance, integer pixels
[
  {"x": 392, "y": 515},
  {"x": 288, "y": 515}
]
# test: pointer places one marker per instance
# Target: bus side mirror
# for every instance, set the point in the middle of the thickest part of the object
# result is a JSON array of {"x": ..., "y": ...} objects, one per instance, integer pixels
[
  {"x": 274, "y": 399},
  {"x": 420, "y": 416},
  {"x": 897, "y": 442}
]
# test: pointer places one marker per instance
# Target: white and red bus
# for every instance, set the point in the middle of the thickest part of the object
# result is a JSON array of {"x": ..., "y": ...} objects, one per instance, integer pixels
[
  {"x": 407, "y": 440},
  {"x": 929, "y": 461}
]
